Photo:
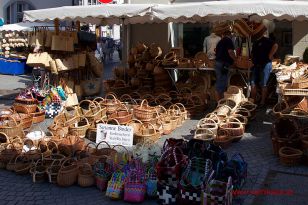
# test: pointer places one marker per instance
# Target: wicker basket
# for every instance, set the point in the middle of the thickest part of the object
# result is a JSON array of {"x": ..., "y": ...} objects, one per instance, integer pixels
[
  {"x": 229, "y": 102},
  {"x": 122, "y": 115},
  {"x": 214, "y": 117},
  {"x": 204, "y": 135},
  {"x": 25, "y": 120},
  {"x": 22, "y": 164},
  {"x": 252, "y": 108},
  {"x": 183, "y": 111},
  {"x": 101, "y": 154},
  {"x": 90, "y": 110},
  {"x": 243, "y": 62},
  {"x": 80, "y": 128},
  {"x": 68, "y": 173},
  {"x": 290, "y": 156},
  {"x": 38, "y": 171},
  {"x": 86, "y": 176},
  {"x": 25, "y": 105},
  {"x": 222, "y": 112},
  {"x": 208, "y": 123},
  {"x": 236, "y": 118},
  {"x": 10, "y": 127},
  {"x": 168, "y": 125},
  {"x": 243, "y": 111},
  {"x": 146, "y": 132},
  {"x": 235, "y": 130},
  {"x": 297, "y": 102},
  {"x": 300, "y": 92},
  {"x": 144, "y": 112},
  {"x": 38, "y": 116},
  {"x": 128, "y": 101},
  {"x": 111, "y": 103},
  {"x": 234, "y": 93},
  {"x": 53, "y": 170},
  {"x": 136, "y": 124}
]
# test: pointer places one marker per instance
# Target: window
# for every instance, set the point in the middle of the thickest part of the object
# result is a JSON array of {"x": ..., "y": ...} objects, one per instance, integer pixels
[{"x": 14, "y": 12}]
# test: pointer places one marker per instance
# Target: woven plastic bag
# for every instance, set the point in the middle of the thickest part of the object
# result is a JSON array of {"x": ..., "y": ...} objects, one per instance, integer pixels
[{"x": 115, "y": 187}]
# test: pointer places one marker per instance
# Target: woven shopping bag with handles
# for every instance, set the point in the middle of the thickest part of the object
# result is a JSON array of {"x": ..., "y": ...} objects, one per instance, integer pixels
[
  {"x": 115, "y": 187},
  {"x": 218, "y": 193},
  {"x": 195, "y": 175},
  {"x": 135, "y": 187}
]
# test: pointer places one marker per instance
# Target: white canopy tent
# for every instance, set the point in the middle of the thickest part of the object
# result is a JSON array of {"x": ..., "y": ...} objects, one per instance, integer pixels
[
  {"x": 178, "y": 13},
  {"x": 24, "y": 26},
  {"x": 230, "y": 10},
  {"x": 106, "y": 14}
]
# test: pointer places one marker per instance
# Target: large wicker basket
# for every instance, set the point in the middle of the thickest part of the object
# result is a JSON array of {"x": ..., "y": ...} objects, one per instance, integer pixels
[
  {"x": 68, "y": 173},
  {"x": 144, "y": 112},
  {"x": 290, "y": 156}
]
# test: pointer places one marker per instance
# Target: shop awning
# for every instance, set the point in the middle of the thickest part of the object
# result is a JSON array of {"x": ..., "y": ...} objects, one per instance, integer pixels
[
  {"x": 24, "y": 26},
  {"x": 178, "y": 13},
  {"x": 98, "y": 14},
  {"x": 230, "y": 10}
]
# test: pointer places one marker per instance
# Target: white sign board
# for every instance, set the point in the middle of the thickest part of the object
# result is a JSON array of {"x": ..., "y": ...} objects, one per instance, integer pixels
[{"x": 115, "y": 134}]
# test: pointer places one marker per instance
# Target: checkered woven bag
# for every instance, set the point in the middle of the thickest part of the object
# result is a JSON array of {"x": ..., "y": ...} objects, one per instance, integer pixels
[
  {"x": 151, "y": 183},
  {"x": 170, "y": 166},
  {"x": 53, "y": 109},
  {"x": 195, "y": 175},
  {"x": 167, "y": 195},
  {"x": 218, "y": 193}
]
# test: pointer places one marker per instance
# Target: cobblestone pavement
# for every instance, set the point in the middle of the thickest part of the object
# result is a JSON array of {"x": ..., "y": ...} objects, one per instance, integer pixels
[{"x": 255, "y": 147}]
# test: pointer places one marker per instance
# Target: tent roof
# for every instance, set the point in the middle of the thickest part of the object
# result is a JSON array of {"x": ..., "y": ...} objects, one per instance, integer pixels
[
  {"x": 181, "y": 13},
  {"x": 96, "y": 14},
  {"x": 23, "y": 26},
  {"x": 231, "y": 10}
]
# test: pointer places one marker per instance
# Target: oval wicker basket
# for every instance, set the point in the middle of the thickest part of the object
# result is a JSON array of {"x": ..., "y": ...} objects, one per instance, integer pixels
[
  {"x": 122, "y": 115},
  {"x": 208, "y": 123},
  {"x": 68, "y": 173},
  {"x": 111, "y": 103},
  {"x": 86, "y": 176},
  {"x": 10, "y": 127},
  {"x": 204, "y": 135},
  {"x": 38, "y": 116},
  {"x": 229, "y": 102},
  {"x": 80, "y": 128},
  {"x": 223, "y": 139},
  {"x": 252, "y": 108},
  {"x": 146, "y": 132},
  {"x": 290, "y": 156},
  {"x": 234, "y": 93},
  {"x": 235, "y": 130},
  {"x": 144, "y": 112}
]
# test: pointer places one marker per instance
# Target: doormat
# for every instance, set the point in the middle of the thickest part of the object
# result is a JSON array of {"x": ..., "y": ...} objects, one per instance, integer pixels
[{"x": 282, "y": 188}]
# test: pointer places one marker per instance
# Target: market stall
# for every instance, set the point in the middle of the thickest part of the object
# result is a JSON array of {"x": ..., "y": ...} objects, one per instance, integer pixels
[{"x": 184, "y": 171}]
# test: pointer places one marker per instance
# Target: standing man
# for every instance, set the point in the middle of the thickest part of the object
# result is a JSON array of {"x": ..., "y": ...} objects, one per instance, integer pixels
[
  {"x": 263, "y": 52},
  {"x": 225, "y": 57}
]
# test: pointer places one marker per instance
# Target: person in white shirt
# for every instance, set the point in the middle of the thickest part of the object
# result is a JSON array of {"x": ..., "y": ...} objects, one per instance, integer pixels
[{"x": 209, "y": 45}]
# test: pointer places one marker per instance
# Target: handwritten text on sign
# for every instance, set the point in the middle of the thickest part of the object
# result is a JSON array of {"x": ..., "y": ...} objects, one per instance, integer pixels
[{"x": 115, "y": 134}]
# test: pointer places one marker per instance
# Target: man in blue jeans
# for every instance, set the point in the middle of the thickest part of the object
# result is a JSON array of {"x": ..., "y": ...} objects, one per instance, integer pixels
[
  {"x": 225, "y": 56},
  {"x": 263, "y": 51}
]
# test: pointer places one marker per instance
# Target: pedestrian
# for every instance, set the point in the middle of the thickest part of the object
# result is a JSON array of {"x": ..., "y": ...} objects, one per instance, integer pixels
[
  {"x": 111, "y": 48},
  {"x": 105, "y": 49},
  {"x": 225, "y": 57},
  {"x": 263, "y": 51}
]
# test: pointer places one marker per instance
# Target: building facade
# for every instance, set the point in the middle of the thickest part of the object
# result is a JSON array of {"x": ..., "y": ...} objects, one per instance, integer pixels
[{"x": 12, "y": 10}]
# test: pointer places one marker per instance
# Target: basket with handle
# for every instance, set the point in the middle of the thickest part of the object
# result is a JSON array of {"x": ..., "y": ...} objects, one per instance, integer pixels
[
  {"x": 90, "y": 110},
  {"x": 80, "y": 128},
  {"x": 134, "y": 186},
  {"x": 236, "y": 117},
  {"x": 22, "y": 164},
  {"x": 53, "y": 170},
  {"x": 103, "y": 110},
  {"x": 128, "y": 101},
  {"x": 10, "y": 127},
  {"x": 279, "y": 108},
  {"x": 144, "y": 112},
  {"x": 122, "y": 115},
  {"x": 234, "y": 93},
  {"x": 115, "y": 186},
  {"x": 24, "y": 119},
  {"x": 38, "y": 171},
  {"x": 175, "y": 113},
  {"x": 218, "y": 192},
  {"x": 103, "y": 172},
  {"x": 146, "y": 131},
  {"x": 111, "y": 103},
  {"x": 183, "y": 111},
  {"x": 235, "y": 129},
  {"x": 243, "y": 111},
  {"x": 251, "y": 107},
  {"x": 68, "y": 173},
  {"x": 204, "y": 135},
  {"x": 101, "y": 154},
  {"x": 229, "y": 102},
  {"x": 26, "y": 104},
  {"x": 222, "y": 112},
  {"x": 38, "y": 116},
  {"x": 195, "y": 175},
  {"x": 208, "y": 123},
  {"x": 86, "y": 176}
]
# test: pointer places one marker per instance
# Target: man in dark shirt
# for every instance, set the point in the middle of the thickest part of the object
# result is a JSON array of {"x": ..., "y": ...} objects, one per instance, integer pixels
[
  {"x": 263, "y": 51},
  {"x": 225, "y": 56}
]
